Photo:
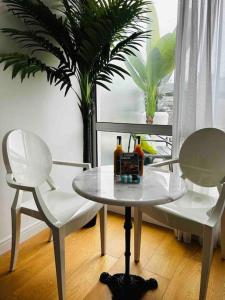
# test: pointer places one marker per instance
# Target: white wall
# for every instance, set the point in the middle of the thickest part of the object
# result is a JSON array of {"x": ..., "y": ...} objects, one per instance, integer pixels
[{"x": 42, "y": 109}]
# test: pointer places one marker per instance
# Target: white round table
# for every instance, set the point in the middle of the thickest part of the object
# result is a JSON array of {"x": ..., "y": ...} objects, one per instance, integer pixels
[{"x": 156, "y": 187}]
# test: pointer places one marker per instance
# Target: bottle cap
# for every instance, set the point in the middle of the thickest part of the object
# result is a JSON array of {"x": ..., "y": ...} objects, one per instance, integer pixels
[{"x": 119, "y": 140}]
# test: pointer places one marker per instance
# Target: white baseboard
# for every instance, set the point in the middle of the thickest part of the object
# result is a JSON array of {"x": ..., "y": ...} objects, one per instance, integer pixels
[{"x": 26, "y": 233}]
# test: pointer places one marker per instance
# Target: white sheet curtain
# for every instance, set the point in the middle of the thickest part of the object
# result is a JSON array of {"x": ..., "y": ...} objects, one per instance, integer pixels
[
  {"x": 200, "y": 68},
  {"x": 199, "y": 99}
]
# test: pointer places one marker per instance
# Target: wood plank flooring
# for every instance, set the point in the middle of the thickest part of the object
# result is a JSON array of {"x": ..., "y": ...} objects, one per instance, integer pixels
[{"x": 175, "y": 265}]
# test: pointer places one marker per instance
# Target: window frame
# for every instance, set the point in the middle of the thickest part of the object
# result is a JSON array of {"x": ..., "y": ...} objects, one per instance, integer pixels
[{"x": 164, "y": 130}]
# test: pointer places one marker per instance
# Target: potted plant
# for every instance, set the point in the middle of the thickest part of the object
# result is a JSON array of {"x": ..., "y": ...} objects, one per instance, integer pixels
[
  {"x": 158, "y": 65},
  {"x": 86, "y": 37}
]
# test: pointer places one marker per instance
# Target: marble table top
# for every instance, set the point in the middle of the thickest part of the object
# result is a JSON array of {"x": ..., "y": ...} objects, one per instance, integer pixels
[{"x": 156, "y": 187}]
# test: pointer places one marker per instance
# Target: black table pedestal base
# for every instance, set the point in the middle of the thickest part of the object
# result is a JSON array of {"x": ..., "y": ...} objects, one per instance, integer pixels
[
  {"x": 132, "y": 287},
  {"x": 125, "y": 286}
]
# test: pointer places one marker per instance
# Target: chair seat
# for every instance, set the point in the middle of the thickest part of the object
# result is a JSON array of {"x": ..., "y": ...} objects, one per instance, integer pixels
[
  {"x": 194, "y": 206},
  {"x": 64, "y": 206}
]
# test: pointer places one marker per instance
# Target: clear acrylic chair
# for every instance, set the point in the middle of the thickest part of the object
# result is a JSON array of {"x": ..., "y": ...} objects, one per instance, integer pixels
[
  {"x": 28, "y": 163},
  {"x": 202, "y": 161}
]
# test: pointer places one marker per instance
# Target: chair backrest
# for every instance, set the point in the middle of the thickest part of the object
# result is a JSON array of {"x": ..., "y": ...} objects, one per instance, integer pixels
[
  {"x": 27, "y": 157},
  {"x": 202, "y": 157}
]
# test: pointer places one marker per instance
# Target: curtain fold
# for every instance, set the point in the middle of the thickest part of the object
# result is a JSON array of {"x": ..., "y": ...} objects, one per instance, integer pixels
[{"x": 197, "y": 54}]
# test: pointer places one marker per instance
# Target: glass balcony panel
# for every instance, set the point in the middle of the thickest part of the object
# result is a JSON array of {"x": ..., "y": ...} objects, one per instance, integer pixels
[
  {"x": 156, "y": 147},
  {"x": 125, "y": 103}
]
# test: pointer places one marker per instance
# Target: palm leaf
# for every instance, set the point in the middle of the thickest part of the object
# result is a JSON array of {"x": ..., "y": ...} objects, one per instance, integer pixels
[
  {"x": 162, "y": 57},
  {"x": 105, "y": 66},
  {"x": 87, "y": 37},
  {"x": 135, "y": 76},
  {"x": 30, "y": 39},
  {"x": 37, "y": 15},
  {"x": 138, "y": 64},
  {"x": 153, "y": 27},
  {"x": 26, "y": 66}
]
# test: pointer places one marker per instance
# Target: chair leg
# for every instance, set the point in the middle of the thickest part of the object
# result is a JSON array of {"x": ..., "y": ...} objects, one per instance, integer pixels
[
  {"x": 222, "y": 235},
  {"x": 59, "y": 248},
  {"x": 179, "y": 235},
  {"x": 16, "y": 222},
  {"x": 137, "y": 233},
  {"x": 103, "y": 225},
  {"x": 207, "y": 252}
]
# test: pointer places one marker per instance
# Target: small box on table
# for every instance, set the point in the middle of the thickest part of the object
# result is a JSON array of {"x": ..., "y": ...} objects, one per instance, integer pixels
[{"x": 129, "y": 168}]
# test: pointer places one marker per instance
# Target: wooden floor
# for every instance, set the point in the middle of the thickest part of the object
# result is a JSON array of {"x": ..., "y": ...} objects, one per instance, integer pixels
[{"x": 176, "y": 266}]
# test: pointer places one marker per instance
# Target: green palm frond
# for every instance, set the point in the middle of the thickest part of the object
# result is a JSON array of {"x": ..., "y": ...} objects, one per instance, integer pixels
[
  {"x": 136, "y": 76},
  {"x": 26, "y": 66},
  {"x": 36, "y": 14},
  {"x": 129, "y": 45},
  {"x": 87, "y": 38},
  {"x": 118, "y": 53},
  {"x": 97, "y": 25},
  {"x": 23, "y": 64},
  {"x": 153, "y": 27},
  {"x": 31, "y": 40}
]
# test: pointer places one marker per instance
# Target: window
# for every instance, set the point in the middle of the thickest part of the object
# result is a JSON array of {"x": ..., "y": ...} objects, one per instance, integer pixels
[{"x": 123, "y": 109}]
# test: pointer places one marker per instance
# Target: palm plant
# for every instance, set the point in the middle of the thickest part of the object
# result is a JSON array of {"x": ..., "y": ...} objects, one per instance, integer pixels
[
  {"x": 159, "y": 63},
  {"x": 86, "y": 37}
]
